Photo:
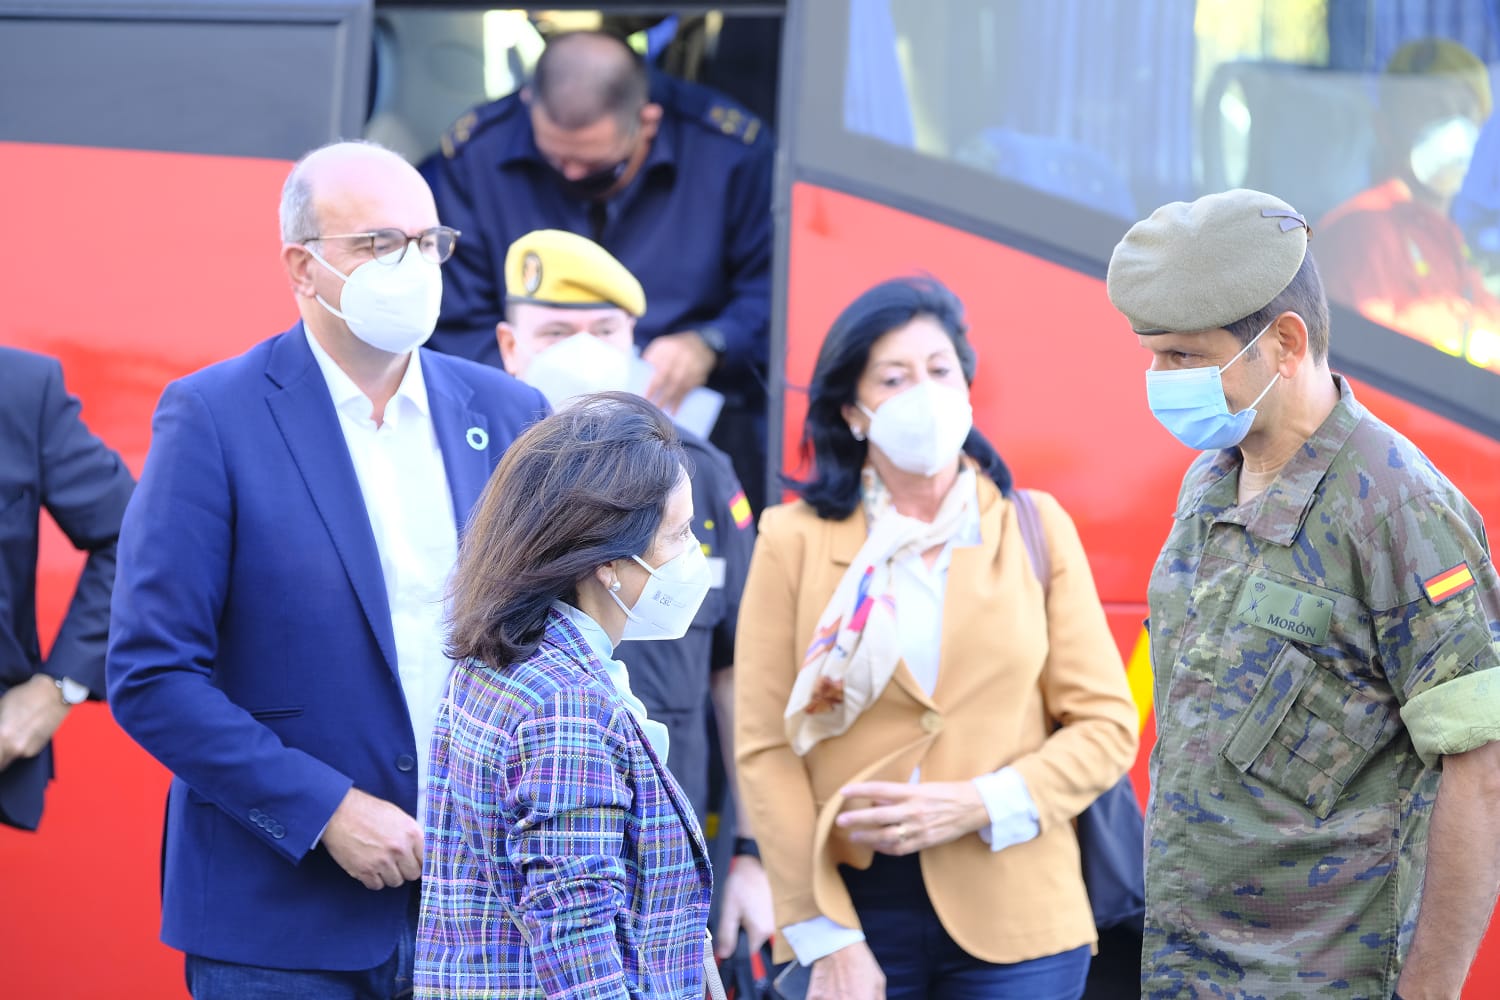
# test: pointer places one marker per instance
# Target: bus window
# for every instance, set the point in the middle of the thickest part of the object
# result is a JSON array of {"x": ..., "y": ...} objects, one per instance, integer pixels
[{"x": 1374, "y": 124}]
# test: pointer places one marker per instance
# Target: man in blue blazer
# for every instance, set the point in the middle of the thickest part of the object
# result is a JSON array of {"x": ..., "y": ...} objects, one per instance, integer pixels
[
  {"x": 48, "y": 458},
  {"x": 278, "y": 637}
]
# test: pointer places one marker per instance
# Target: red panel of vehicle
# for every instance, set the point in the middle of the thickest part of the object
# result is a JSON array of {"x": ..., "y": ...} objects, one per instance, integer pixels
[{"x": 133, "y": 268}]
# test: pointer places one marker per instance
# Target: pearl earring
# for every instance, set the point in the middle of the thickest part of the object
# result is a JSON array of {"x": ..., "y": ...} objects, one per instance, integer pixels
[
  {"x": 856, "y": 433},
  {"x": 615, "y": 586}
]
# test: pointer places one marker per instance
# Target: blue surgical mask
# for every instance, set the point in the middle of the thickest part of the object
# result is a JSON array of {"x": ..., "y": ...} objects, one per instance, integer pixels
[{"x": 1190, "y": 403}]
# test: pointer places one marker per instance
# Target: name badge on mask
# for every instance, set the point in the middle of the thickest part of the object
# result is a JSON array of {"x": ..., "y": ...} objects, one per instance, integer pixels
[{"x": 1275, "y": 607}]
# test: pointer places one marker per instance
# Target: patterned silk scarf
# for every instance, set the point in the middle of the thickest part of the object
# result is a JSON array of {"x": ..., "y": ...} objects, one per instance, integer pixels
[{"x": 856, "y": 646}]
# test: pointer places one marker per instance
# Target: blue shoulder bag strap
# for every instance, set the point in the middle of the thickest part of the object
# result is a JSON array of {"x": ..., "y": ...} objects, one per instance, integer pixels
[{"x": 1111, "y": 833}]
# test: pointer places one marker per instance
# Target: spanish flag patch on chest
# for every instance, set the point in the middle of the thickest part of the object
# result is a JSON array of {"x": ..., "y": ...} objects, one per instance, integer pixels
[{"x": 1448, "y": 583}]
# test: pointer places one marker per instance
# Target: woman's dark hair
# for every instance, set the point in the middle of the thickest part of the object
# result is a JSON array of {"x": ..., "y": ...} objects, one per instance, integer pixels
[
  {"x": 579, "y": 489},
  {"x": 837, "y": 458}
]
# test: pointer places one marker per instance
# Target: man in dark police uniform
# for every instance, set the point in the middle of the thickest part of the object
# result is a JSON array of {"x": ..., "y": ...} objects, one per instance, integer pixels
[
  {"x": 672, "y": 178},
  {"x": 571, "y": 309}
]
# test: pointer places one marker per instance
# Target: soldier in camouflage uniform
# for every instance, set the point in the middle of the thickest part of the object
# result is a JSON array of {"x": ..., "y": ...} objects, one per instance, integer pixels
[{"x": 1325, "y": 620}]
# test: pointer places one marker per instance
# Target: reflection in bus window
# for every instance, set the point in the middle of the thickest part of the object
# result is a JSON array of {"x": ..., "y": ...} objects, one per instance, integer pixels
[
  {"x": 1121, "y": 106},
  {"x": 1393, "y": 252}
]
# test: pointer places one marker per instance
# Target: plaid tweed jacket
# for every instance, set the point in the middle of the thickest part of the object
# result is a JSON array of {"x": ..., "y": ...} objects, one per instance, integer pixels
[{"x": 562, "y": 860}]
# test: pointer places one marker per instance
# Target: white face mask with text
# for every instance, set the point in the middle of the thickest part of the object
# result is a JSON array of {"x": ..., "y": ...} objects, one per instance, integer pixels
[{"x": 671, "y": 598}]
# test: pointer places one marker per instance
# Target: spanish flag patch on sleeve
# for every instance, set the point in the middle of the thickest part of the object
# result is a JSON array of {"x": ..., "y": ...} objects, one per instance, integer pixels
[
  {"x": 1448, "y": 583},
  {"x": 739, "y": 509}
]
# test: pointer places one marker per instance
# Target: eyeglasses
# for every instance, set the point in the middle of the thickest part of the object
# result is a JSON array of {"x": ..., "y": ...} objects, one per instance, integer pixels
[{"x": 388, "y": 246}]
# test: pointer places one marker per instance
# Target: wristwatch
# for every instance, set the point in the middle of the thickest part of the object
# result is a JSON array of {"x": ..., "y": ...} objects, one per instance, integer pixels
[
  {"x": 71, "y": 692},
  {"x": 714, "y": 338},
  {"x": 746, "y": 847}
]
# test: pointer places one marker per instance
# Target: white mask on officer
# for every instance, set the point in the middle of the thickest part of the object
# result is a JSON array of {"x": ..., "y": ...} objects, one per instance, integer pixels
[
  {"x": 579, "y": 365},
  {"x": 391, "y": 307}
]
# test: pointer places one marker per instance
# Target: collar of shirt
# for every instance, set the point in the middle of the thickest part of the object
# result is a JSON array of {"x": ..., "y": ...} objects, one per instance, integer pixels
[
  {"x": 967, "y": 534},
  {"x": 1277, "y": 514},
  {"x": 593, "y": 633},
  {"x": 599, "y": 644},
  {"x": 350, "y": 400}
]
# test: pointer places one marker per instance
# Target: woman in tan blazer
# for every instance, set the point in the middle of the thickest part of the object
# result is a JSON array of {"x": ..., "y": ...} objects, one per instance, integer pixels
[{"x": 917, "y": 719}]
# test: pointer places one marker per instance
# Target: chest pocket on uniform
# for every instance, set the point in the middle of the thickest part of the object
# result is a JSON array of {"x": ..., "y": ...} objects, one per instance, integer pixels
[{"x": 1307, "y": 733}]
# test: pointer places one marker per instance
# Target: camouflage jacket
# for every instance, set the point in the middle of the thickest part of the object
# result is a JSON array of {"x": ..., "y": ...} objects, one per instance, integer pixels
[{"x": 1315, "y": 652}]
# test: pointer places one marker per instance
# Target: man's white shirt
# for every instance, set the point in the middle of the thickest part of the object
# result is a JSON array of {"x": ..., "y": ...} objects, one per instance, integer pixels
[{"x": 410, "y": 508}]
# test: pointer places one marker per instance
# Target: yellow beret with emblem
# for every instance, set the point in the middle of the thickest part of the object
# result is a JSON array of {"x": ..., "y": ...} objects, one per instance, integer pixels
[
  {"x": 1205, "y": 264},
  {"x": 551, "y": 267}
]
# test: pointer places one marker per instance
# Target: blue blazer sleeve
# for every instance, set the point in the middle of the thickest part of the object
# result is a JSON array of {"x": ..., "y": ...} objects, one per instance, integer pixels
[
  {"x": 85, "y": 487},
  {"x": 175, "y": 555}
]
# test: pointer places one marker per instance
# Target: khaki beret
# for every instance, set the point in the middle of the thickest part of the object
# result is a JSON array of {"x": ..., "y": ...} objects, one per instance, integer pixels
[
  {"x": 1204, "y": 264},
  {"x": 551, "y": 267}
]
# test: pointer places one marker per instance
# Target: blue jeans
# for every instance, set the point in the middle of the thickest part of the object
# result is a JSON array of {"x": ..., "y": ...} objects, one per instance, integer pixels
[
  {"x": 921, "y": 961},
  {"x": 211, "y": 979}
]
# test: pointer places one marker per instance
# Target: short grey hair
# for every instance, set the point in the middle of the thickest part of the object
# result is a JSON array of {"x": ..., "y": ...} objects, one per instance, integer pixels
[
  {"x": 299, "y": 218},
  {"x": 299, "y": 215}
]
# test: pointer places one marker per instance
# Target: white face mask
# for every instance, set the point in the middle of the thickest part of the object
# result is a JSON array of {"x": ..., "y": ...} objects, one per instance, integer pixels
[
  {"x": 579, "y": 365},
  {"x": 1440, "y": 157},
  {"x": 923, "y": 429},
  {"x": 671, "y": 598},
  {"x": 391, "y": 307}
]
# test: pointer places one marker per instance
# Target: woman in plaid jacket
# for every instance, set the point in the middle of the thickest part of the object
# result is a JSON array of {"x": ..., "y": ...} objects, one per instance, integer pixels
[{"x": 562, "y": 860}]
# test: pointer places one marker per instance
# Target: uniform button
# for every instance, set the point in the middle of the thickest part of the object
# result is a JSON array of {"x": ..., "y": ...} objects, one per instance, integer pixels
[
  {"x": 932, "y": 722},
  {"x": 405, "y": 762}
]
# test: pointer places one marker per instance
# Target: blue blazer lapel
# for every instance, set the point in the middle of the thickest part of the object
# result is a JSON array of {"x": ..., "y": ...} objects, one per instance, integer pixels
[
  {"x": 304, "y": 412},
  {"x": 463, "y": 435}
]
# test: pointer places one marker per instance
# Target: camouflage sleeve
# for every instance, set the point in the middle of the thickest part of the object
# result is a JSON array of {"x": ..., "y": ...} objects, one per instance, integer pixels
[{"x": 1435, "y": 605}]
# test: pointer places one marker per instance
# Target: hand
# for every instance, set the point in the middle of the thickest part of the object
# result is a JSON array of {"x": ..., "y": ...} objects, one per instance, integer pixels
[
  {"x": 29, "y": 714},
  {"x": 374, "y": 841},
  {"x": 680, "y": 362},
  {"x": 851, "y": 973},
  {"x": 747, "y": 904},
  {"x": 904, "y": 818}
]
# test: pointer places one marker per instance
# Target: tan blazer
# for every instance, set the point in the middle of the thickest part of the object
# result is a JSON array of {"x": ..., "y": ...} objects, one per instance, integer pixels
[{"x": 1014, "y": 662}]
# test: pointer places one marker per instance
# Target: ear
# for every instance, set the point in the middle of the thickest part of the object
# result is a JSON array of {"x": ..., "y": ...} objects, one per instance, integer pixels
[
  {"x": 859, "y": 424},
  {"x": 298, "y": 262},
  {"x": 1288, "y": 335},
  {"x": 505, "y": 336},
  {"x": 650, "y": 119},
  {"x": 607, "y": 577}
]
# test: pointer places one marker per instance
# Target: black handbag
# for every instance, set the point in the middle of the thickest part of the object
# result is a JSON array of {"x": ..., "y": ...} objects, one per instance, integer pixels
[
  {"x": 747, "y": 974},
  {"x": 1111, "y": 832}
]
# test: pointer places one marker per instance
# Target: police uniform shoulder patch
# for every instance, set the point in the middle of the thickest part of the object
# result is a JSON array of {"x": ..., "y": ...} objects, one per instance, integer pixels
[
  {"x": 735, "y": 122},
  {"x": 1448, "y": 583},
  {"x": 459, "y": 132},
  {"x": 475, "y": 120}
]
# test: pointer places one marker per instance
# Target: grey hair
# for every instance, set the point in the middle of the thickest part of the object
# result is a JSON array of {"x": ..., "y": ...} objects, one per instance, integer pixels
[{"x": 299, "y": 215}]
